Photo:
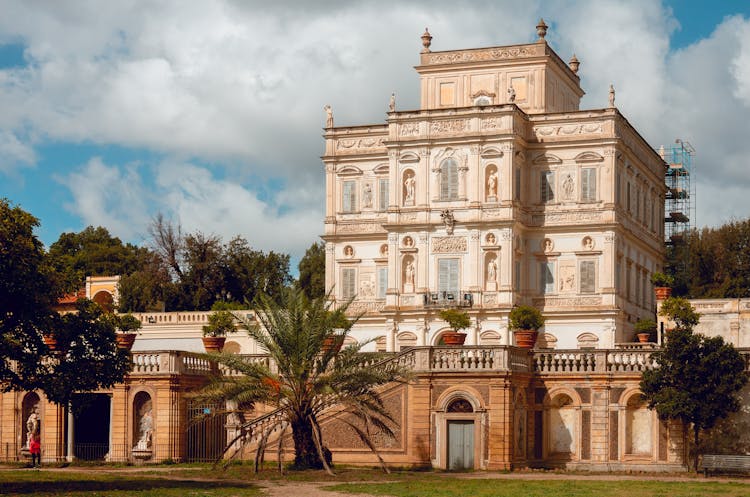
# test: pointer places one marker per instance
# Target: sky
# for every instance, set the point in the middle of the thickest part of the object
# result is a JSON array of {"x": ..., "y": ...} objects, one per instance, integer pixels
[{"x": 211, "y": 112}]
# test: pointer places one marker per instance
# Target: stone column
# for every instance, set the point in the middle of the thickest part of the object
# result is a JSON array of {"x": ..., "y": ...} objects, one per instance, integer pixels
[{"x": 69, "y": 456}]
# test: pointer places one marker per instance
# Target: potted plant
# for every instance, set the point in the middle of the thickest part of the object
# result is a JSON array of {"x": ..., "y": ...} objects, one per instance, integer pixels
[
  {"x": 50, "y": 340},
  {"x": 220, "y": 322},
  {"x": 525, "y": 322},
  {"x": 127, "y": 326},
  {"x": 644, "y": 329},
  {"x": 457, "y": 320},
  {"x": 662, "y": 285}
]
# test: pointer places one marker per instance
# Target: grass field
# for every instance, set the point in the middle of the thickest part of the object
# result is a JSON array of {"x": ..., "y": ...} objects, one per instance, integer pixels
[{"x": 451, "y": 487}]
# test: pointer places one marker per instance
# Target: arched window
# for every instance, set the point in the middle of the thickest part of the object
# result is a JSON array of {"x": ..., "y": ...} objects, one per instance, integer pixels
[
  {"x": 460, "y": 405},
  {"x": 449, "y": 180}
]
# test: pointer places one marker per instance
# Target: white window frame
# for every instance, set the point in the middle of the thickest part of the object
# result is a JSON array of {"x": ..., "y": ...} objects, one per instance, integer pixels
[
  {"x": 348, "y": 288},
  {"x": 383, "y": 186},
  {"x": 349, "y": 196}
]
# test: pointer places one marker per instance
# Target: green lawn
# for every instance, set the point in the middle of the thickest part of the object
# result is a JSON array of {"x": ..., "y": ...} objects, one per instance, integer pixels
[
  {"x": 94, "y": 483},
  {"x": 453, "y": 487}
]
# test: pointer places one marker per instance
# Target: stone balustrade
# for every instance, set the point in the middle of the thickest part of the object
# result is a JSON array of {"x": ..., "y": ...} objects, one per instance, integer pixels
[
  {"x": 170, "y": 362},
  {"x": 149, "y": 319}
]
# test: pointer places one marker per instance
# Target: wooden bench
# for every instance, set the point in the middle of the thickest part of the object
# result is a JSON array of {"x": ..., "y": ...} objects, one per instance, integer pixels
[{"x": 724, "y": 463}]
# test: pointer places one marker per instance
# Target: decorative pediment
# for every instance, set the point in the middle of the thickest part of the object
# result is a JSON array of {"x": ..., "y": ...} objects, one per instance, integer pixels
[
  {"x": 349, "y": 171},
  {"x": 482, "y": 93},
  {"x": 589, "y": 157},
  {"x": 547, "y": 159},
  {"x": 381, "y": 168},
  {"x": 491, "y": 152},
  {"x": 408, "y": 158}
]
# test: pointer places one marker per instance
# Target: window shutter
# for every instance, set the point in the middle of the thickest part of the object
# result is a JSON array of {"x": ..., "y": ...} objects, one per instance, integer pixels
[
  {"x": 382, "y": 281},
  {"x": 588, "y": 185},
  {"x": 383, "y": 195},
  {"x": 449, "y": 180},
  {"x": 448, "y": 276},
  {"x": 350, "y": 196},
  {"x": 588, "y": 276},
  {"x": 348, "y": 283},
  {"x": 547, "y": 193},
  {"x": 547, "y": 277}
]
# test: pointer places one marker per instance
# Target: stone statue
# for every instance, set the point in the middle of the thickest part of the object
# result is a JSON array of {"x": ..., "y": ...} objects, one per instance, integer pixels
[
  {"x": 409, "y": 185},
  {"x": 492, "y": 184},
  {"x": 367, "y": 195},
  {"x": 448, "y": 221},
  {"x": 568, "y": 186},
  {"x": 511, "y": 95},
  {"x": 611, "y": 96},
  {"x": 547, "y": 245},
  {"x": 409, "y": 273},
  {"x": 392, "y": 103},
  {"x": 32, "y": 424},
  {"x": 145, "y": 430},
  {"x": 492, "y": 271},
  {"x": 348, "y": 251},
  {"x": 329, "y": 116}
]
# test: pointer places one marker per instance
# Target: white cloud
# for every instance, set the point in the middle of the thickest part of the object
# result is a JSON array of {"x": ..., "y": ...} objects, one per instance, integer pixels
[{"x": 241, "y": 86}]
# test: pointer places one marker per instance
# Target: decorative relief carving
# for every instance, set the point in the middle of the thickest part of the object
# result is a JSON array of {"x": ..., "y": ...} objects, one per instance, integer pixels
[
  {"x": 492, "y": 213},
  {"x": 484, "y": 54},
  {"x": 490, "y": 123},
  {"x": 359, "y": 228},
  {"x": 358, "y": 144},
  {"x": 566, "y": 217},
  {"x": 567, "y": 302},
  {"x": 475, "y": 235},
  {"x": 362, "y": 307},
  {"x": 506, "y": 234},
  {"x": 569, "y": 129},
  {"x": 408, "y": 129},
  {"x": 449, "y": 244},
  {"x": 451, "y": 126},
  {"x": 489, "y": 298},
  {"x": 587, "y": 243},
  {"x": 407, "y": 217}
]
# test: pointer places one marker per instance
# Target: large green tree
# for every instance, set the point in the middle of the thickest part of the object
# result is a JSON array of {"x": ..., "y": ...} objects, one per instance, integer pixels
[
  {"x": 698, "y": 379},
  {"x": 87, "y": 357},
  {"x": 312, "y": 271},
  {"x": 312, "y": 373}
]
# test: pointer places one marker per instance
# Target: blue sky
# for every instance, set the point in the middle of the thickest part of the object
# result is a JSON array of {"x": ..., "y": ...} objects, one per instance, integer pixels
[{"x": 211, "y": 112}]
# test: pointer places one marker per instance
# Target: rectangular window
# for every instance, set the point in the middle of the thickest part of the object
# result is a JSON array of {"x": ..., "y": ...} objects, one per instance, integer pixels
[
  {"x": 588, "y": 276},
  {"x": 547, "y": 277},
  {"x": 547, "y": 186},
  {"x": 517, "y": 276},
  {"x": 383, "y": 195},
  {"x": 448, "y": 277},
  {"x": 350, "y": 196},
  {"x": 449, "y": 180},
  {"x": 517, "y": 192},
  {"x": 382, "y": 281},
  {"x": 348, "y": 282},
  {"x": 588, "y": 185},
  {"x": 627, "y": 196}
]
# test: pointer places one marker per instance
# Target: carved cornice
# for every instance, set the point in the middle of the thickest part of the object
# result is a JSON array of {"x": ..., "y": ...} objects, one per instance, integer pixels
[{"x": 482, "y": 54}]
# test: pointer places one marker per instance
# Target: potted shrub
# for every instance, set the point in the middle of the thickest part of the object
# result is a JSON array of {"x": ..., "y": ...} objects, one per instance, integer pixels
[
  {"x": 525, "y": 322},
  {"x": 220, "y": 322},
  {"x": 457, "y": 320},
  {"x": 644, "y": 329},
  {"x": 662, "y": 285},
  {"x": 50, "y": 340},
  {"x": 127, "y": 326}
]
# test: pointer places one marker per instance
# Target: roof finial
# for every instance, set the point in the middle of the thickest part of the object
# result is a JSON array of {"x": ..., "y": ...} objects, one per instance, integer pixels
[
  {"x": 541, "y": 29},
  {"x": 426, "y": 40},
  {"x": 574, "y": 63},
  {"x": 611, "y": 97}
]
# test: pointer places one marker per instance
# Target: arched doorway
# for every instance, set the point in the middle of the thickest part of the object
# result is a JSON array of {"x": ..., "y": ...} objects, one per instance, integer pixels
[{"x": 460, "y": 436}]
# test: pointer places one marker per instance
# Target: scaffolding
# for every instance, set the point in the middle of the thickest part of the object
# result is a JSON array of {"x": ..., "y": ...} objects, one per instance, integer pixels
[{"x": 679, "y": 206}]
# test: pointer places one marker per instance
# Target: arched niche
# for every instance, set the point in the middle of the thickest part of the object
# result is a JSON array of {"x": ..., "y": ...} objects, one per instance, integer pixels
[
  {"x": 143, "y": 423},
  {"x": 381, "y": 344},
  {"x": 491, "y": 183},
  {"x": 639, "y": 427},
  {"x": 408, "y": 273},
  {"x": 409, "y": 182},
  {"x": 587, "y": 341},
  {"x": 105, "y": 300},
  {"x": 563, "y": 426},
  {"x": 31, "y": 417},
  {"x": 406, "y": 339},
  {"x": 491, "y": 271}
]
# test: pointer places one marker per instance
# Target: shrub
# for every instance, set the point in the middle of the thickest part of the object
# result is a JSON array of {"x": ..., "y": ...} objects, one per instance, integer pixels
[
  {"x": 662, "y": 280},
  {"x": 458, "y": 320},
  {"x": 525, "y": 317}
]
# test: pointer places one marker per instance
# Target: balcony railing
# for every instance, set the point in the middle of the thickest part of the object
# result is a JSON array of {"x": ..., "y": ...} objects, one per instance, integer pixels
[{"x": 447, "y": 299}]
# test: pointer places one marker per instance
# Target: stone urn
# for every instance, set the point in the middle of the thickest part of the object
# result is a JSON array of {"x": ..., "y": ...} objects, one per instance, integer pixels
[
  {"x": 526, "y": 339},
  {"x": 214, "y": 344},
  {"x": 662, "y": 292},
  {"x": 453, "y": 338},
  {"x": 125, "y": 340}
]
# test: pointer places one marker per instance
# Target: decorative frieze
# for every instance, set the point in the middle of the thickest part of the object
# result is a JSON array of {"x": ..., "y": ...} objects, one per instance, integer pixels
[
  {"x": 449, "y": 126},
  {"x": 567, "y": 302},
  {"x": 497, "y": 53},
  {"x": 354, "y": 144},
  {"x": 449, "y": 244},
  {"x": 566, "y": 217},
  {"x": 593, "y": 128},
  {"x": 359, "y": 228}
]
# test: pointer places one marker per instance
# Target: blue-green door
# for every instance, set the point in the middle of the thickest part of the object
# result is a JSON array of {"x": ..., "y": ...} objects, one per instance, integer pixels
[{"x": 460, "y": 444}]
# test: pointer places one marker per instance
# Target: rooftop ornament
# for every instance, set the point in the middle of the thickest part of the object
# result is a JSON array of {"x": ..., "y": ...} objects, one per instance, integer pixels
[
  {"x": 611, "y": 97},
  {"x": 541, "y": 29},
  {"x": 574, "y": 63},
  {"x": 426, "y": 41}
]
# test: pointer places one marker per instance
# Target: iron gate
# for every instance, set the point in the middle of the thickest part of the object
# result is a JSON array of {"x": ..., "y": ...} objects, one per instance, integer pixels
[{"x": 206, "y": 433}]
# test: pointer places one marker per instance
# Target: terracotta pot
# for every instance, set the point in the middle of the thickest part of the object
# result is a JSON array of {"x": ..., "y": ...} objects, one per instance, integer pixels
[
  {"x": 214, "y": 344},
  {"x": 453, "y": 338},
  {"x": 644, "y": 337},
  {"x": 50, "y": 340},
  {"x": 662, "y": 292},
  {"x": 525, "y": 339},
  {"x": 329, "y": 343},
  {"x": 125, "y": 340}
]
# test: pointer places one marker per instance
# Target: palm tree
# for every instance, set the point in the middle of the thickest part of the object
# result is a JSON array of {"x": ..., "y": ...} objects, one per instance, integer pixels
[{"x": 309, "y": 371}]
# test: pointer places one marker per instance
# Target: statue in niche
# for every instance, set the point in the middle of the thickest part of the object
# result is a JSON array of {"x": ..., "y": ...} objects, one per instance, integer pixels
[
  {"x": 568, "y": 187},
  {"x": 392, "y": 103},
  {"x": 32, "y": 424},
  {"x": 548, "y": 245},
  {"x": 409, "y": 273},
  {"x": 492, "y": 271},
  {"x": 145, "y": 429},
  {"x": 367, "y": 195},
  {"x": 329, "y": 116},
  {"x": 409, "y": 185},
  {"x": 511, "y": 94},
  {"x": 492, "y": 184},
  {"x": 588, "y": 243}
]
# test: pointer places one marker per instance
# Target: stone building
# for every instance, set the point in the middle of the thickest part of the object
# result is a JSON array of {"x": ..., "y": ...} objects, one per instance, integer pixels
[{"x": 499, "y": 190}]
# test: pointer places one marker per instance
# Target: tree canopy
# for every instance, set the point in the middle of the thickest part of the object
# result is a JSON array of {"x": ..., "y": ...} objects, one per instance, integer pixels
[
  {"x": 698, "y": 378},
  {"x": 312, "y": 271}
]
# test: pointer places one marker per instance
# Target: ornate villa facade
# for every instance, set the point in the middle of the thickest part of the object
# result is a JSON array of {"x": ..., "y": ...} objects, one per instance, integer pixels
[{"x": 498, "y": 191}]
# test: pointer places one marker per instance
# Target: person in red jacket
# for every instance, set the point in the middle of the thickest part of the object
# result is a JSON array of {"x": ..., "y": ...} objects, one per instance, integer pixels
[{"x": 35, "y": 448}]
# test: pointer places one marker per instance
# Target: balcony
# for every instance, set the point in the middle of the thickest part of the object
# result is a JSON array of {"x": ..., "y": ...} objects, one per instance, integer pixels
[{"x": 444, "y": 300}]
